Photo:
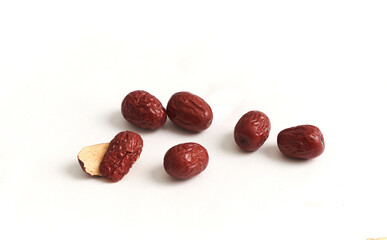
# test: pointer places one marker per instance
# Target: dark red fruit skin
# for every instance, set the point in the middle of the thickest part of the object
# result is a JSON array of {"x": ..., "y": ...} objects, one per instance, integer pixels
[
  {"x": 252, "y": 130},
  {"x": 189, "y": 111},
  {"x": 143, "y": 110},
  {"x": 301, "y": 142},
  {"x": 122, "y": 153},
  {"x": 185, "y": 160}
]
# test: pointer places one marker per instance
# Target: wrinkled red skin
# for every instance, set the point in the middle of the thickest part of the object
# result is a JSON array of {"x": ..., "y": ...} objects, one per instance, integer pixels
[
  {"x": 143, "y": 110},
  {"x": 252, "y": 130},
  {"x": 301, "y": 142},
  {"x": 189, "y": 111},
  {"x": 122, "y": 153},
  {"x": 185, "y": 160}
]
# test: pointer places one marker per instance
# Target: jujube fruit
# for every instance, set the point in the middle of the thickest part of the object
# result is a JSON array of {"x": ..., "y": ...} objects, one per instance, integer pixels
[
  {"x": 122, "y": 153},
  {"x": 189, "y": 111},
  {"x": 186, "y": 160},
  {"x": 90, "y": 158},
  {"x": 301, "y": 142},
  {"x": 143, "y": 110},
  {"x": 252, "y": 130}
]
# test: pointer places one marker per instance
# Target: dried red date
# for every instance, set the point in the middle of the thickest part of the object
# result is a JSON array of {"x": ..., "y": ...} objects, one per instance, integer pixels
[
  {"x": 252, "y": 130},
  {"x": 301, "y": 142},
  {"x": 90, "y": 158},
  {"x": 122, "y": 153},
  {"x": 144, "y": 110},
  {"x": 189, "y": 111},
  {"x": 185, "y": 160}
]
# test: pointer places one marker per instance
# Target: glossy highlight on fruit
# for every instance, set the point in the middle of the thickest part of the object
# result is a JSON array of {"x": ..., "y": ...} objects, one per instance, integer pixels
[
  {"x": 186, "y": 160},
  {"x": 143, "y": 110},
  {"x": 301, "y": 142},
  {"x": 122, "y": 153},
  {"x": 252, "y": 130},
  {"x": 189, "y": 111}
]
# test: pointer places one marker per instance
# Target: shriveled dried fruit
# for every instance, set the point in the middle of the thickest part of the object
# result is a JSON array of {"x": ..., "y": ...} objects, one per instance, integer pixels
[
  {"x": 252, "y": 130},
  {"x": 185, "y": 160},
  {"x": 301, "y": 142},
  {"x": 90, "y": 158},
  {"x": 144, "y": 110},
  {"x": 189, "y": 111},
  {"x": 122, "y": 153}
]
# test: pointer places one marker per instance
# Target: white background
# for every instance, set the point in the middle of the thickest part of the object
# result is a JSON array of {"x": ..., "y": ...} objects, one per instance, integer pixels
[{"x": 66, "y": 66}]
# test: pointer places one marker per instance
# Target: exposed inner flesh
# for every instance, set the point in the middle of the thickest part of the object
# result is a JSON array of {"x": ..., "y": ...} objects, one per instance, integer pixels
[{"x": 91, "y": 158}]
